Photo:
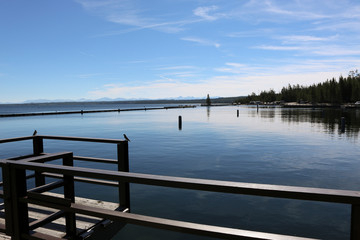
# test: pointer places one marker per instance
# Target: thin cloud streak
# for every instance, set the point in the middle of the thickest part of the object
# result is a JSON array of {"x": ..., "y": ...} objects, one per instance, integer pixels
[
  {"x": 201, "y": 41},
  {"x": 277, "y": 48},
  {"x": 126, "y": 13},
  {"x": 176, "y": 67},
  {"x": 305, "y": 39}
]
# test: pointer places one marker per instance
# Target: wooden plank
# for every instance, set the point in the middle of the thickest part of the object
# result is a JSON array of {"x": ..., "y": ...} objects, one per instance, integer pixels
[
  {"x": 82, "y": 139},
  {"x": 34, "y": 197},
  {"x": 4, "y": 237},
  {"x": 46, "y": 157},
  {"x": 87, "y": 180},
  {"x": 92, "y": 159},
  {"x": 42, "y": 236},
  {"x": 48, "y": 219},
  {"x": 47, "y": 187},
  {"x": 15, "y": 139}
]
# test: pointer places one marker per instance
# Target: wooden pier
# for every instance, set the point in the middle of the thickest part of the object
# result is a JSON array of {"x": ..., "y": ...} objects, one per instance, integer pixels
[
  {"x": 91, "y": 111},
  {"x": 38, "y": 213}
]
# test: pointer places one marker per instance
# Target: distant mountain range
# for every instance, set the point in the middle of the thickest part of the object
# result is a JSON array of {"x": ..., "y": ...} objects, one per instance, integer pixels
[
  {"x": 108, "y": 100},
  {"x": 134, "y": 100}
]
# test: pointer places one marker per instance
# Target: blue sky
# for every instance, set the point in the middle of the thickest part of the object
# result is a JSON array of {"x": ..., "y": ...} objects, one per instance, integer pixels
[{"x": 74, "y": 49}]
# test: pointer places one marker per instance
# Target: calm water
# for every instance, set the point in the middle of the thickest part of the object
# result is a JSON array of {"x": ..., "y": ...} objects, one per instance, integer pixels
[{"x": 300, "y": 147}]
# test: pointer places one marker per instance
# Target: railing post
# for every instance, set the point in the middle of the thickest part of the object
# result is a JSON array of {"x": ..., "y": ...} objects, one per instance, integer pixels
[
  {"x": 123, "y": 165},
  {"x": 38, "y": 148},
  {"x": 20, "y": 213},
  {"x": 8, "y": 203},
  {"x": 69, "y": 193},
  {"x": 355, "y": 222}
]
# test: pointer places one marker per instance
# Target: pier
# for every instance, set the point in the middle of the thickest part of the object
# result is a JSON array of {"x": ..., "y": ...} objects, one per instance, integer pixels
[
  {"x": 38, "y": 213},
  {"x": 91, "y": 111}
]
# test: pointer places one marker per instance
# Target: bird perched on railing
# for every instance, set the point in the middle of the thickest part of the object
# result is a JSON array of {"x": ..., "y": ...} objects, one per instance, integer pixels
[
  {"x": 35, "y": 132},
  {"x": 126, "y": 138}
]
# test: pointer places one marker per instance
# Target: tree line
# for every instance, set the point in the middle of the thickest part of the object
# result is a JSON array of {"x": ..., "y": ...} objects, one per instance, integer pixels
[{"x": 343, "y": 90}]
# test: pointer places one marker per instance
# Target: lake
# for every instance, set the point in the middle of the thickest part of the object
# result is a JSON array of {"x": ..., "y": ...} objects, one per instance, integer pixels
[{"x": 298, "y": 147}]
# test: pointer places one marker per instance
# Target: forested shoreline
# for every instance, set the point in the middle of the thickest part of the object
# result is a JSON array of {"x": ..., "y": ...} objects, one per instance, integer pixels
[{"x": 334, "y": 91}]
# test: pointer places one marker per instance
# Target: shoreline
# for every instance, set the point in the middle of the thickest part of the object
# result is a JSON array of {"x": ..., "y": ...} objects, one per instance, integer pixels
[{"x": 307, "y": 105}]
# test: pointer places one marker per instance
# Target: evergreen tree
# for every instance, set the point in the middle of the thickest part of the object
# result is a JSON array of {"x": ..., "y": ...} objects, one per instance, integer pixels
[
  {"x": 208, "y": 101},
  {"x": 345, "y": 90}
]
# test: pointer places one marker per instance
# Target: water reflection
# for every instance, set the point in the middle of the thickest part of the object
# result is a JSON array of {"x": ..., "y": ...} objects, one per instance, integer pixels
[
  {"x": 269, "y": 145},
  {"x": 333, "y": 121},
  {"x": 329, "y": 119}
]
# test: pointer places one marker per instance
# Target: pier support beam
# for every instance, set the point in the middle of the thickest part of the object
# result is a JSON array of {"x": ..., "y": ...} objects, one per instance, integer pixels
[
  {"x": 69, "y": 193},
  {"x": 7, "y": 200},
  {"x": 123, "y": 166},
  {"x": 355, "y": 222},
  {"x": 38, "y": 148},
  {"x": 20, "y": 214}
]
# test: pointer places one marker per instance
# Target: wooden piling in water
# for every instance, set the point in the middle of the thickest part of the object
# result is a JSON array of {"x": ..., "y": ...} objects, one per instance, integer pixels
[
  {"x": 238, "y": 113},
  {"x": 343, "y": 123},
  {"x": 180, "y": 122}
]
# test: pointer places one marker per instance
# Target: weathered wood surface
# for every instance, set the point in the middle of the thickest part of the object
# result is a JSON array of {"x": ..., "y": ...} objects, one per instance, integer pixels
[{"x": 57, "y": 227}]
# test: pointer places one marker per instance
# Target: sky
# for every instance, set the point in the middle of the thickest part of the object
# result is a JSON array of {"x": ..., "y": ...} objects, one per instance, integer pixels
[{"x": 131, "y": 49}]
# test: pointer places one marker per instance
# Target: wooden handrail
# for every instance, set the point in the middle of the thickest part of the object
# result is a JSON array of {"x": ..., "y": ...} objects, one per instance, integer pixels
[
  {"x": 278, "y": 191},
  {"x": 66, "y": 138},
  {"x": 82, "y": 139},
  {"x": 15, "y": 139}
]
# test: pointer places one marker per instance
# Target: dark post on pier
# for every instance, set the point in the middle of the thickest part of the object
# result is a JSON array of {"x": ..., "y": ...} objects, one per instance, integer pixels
[{"x": 123, "y": 165}]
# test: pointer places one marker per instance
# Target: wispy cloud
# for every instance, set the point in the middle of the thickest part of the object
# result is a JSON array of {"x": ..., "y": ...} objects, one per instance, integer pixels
[
  {"x": 316, "y": 50},
  {"x": 182, "y": 72},
  {"x": 305, "y": 38},
  {"x": 336, "y": 50},
  {"x": 289, "y": 66},
  {"x": 176, "y": 67},
  {"x": 289, "y": 10},
  {"x": 201, "y": 41},
  {"x": 128, "y": 13},
  {"x": 260, "y": 32},
  {"x": 278, "y": 48},
  {"x": 240, "y": 68},
  {"x": 204, "y": 12}
]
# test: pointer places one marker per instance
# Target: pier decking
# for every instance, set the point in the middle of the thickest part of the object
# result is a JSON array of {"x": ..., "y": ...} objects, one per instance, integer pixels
[
  {"x": 38, "y": 213},
  {"x": 85, "y": 225}
]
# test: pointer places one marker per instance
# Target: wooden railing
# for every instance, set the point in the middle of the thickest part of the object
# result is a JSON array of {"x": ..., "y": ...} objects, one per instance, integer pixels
[{"x": 17, "y": 196}]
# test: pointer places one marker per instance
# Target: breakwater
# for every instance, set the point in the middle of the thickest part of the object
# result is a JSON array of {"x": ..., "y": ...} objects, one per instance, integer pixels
[{"x": 92, "y": 111}]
